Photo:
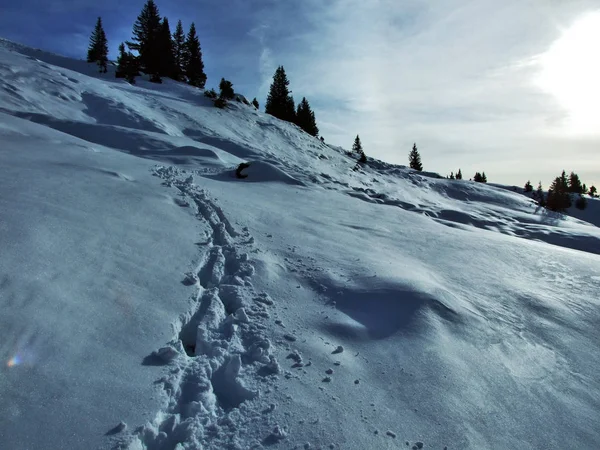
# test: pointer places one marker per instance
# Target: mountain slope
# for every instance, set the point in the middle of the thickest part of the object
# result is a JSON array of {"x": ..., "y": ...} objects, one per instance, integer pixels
[{"x": 144, "y": 283}]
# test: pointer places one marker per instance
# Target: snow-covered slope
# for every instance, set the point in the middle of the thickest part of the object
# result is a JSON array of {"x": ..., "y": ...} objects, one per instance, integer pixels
[{"x": 308, "y": 305}]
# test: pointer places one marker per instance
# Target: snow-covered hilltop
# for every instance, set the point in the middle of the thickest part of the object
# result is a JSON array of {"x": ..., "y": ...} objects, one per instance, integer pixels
[{"x": 149, "y": 299}]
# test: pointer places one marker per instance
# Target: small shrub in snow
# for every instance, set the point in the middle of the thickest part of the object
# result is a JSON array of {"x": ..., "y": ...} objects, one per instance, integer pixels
[
  {"x": 210, "y": 94},
  {"x": 220, "y": 103},
  {"x": 226, "y": 88}
]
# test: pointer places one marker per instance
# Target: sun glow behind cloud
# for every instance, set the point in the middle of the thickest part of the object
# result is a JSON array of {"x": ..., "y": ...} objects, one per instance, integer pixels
[{"x": 571, "y": 73}]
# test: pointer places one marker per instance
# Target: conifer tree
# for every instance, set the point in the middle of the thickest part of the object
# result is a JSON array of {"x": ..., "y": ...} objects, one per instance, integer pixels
[
  {"x": 165, "y": 51},
  {"x": 280, "y": 103},
  {"x": 178, "y": 51},
  {"x": 146, "y": 40},
  {"x": 592, "y": 192},
  {"x": 305, "y": 118},
  {"x": 414, "y": 159},
  {"x": 193, "y": 64},
  {"x": 121, "y": 61},
  {"x": 459, "y": 175},
  {"x": 452, "y": 176},
  {"x": 528, "y": 186},
  {"x": 357, "y": 146},
  {"x": 358, "y": 149},
  {"x": 226, "y": 88},
  {"x": 126, "y": 65},
  {"x": 255, "y": 103},
  {"x": 558, "y": 198},
  {"x": 483, "y": 177},
  {"x": 539, "y": 195},
  {"x": 98, "y": 49},
  {"x": 575, "y": 184}
]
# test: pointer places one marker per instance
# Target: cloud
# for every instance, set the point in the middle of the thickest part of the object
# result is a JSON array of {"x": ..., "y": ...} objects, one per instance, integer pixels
[{"x": 455, "y": 76}]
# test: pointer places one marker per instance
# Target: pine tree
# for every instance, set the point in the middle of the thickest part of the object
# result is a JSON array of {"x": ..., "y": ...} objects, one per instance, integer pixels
[
  {"x": 178, "y": 51},
  {"x": 146, "y": 40},
  {"x": 358, "y": 149},
  {"x": 193, "y": 64},
  {"x": 452, "y": 176},
  {"x": 528, "y": 186},
  {"x": 558, "y": 198},
  {"x": 483, "y": 177},
  {"x": 584, "y": 189},
  {"x": 575, "y": 184},
  {"x": 357, "y": 146},
  {"x": 166, "y": 52},
  {"x": 592, "y": 192},
  {"x": 280, "y": 103},
  {"x": 226, "y": 88},
  {"x": 98, "y": 49},
  {"x": 126, "y": 65},
  {"x": 121, "y": 62},
  {"x": 539, "y": 195},
  {"x": 255, "y": 103},
  {"x": 305, "y": 118},
  {"x": 414, "y": 159},
  {"x": 459, "y": 175}
]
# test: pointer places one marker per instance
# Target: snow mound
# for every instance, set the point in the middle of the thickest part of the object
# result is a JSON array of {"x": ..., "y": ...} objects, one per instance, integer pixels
[{"x": 261, "y": 171}]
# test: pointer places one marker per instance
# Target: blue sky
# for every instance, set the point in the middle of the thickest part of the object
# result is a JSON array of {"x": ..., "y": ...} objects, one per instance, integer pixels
[{"x": 477, "y": 84}]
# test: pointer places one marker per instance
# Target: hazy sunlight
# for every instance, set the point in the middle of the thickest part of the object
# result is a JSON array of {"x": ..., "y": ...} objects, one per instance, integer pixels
[{"x": 571, "y": 72}]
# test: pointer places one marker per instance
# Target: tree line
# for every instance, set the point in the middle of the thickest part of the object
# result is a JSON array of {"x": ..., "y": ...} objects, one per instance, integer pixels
[
  {"x": 562, "y": 192},
  {"x": 153, "y": 50}
]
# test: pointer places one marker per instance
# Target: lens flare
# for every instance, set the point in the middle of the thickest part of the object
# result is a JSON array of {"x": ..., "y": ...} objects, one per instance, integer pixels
[{"x": 14, "y": 361}]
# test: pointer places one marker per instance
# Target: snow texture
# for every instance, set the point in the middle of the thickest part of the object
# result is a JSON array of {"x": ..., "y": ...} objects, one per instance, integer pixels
[{"x": 152, "y": 300}]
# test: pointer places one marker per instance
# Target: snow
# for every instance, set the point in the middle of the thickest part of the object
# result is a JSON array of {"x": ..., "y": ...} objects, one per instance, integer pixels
[{"x": 150, "y": 299}]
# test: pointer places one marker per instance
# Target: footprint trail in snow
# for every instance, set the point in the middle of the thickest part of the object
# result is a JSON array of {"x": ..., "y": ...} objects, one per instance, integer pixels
[{"x": 220, "y": 353}]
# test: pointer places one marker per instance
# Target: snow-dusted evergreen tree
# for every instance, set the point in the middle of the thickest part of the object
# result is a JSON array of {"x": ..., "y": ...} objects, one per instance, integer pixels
[
  {"x": 528, "y": 186},
  {"x": 280, "y": 103},
  {"x": 226, "y": 88},
  {"x": 305, "y": 118},
  {"x": 146, "y": 40},
  {"x": 459, "y": 175},
  {"x": 593, "y": 191},
  {"x": 193, "y": 64},
  {"x": 255, "y": 103},
  {"x": 178, "y": 51},
  {"x": 98, "y": 48},
  {"x": 165, "y": 51},
  {"x": 414, "y": 159},
  {"x": 452, "y": 177}
]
